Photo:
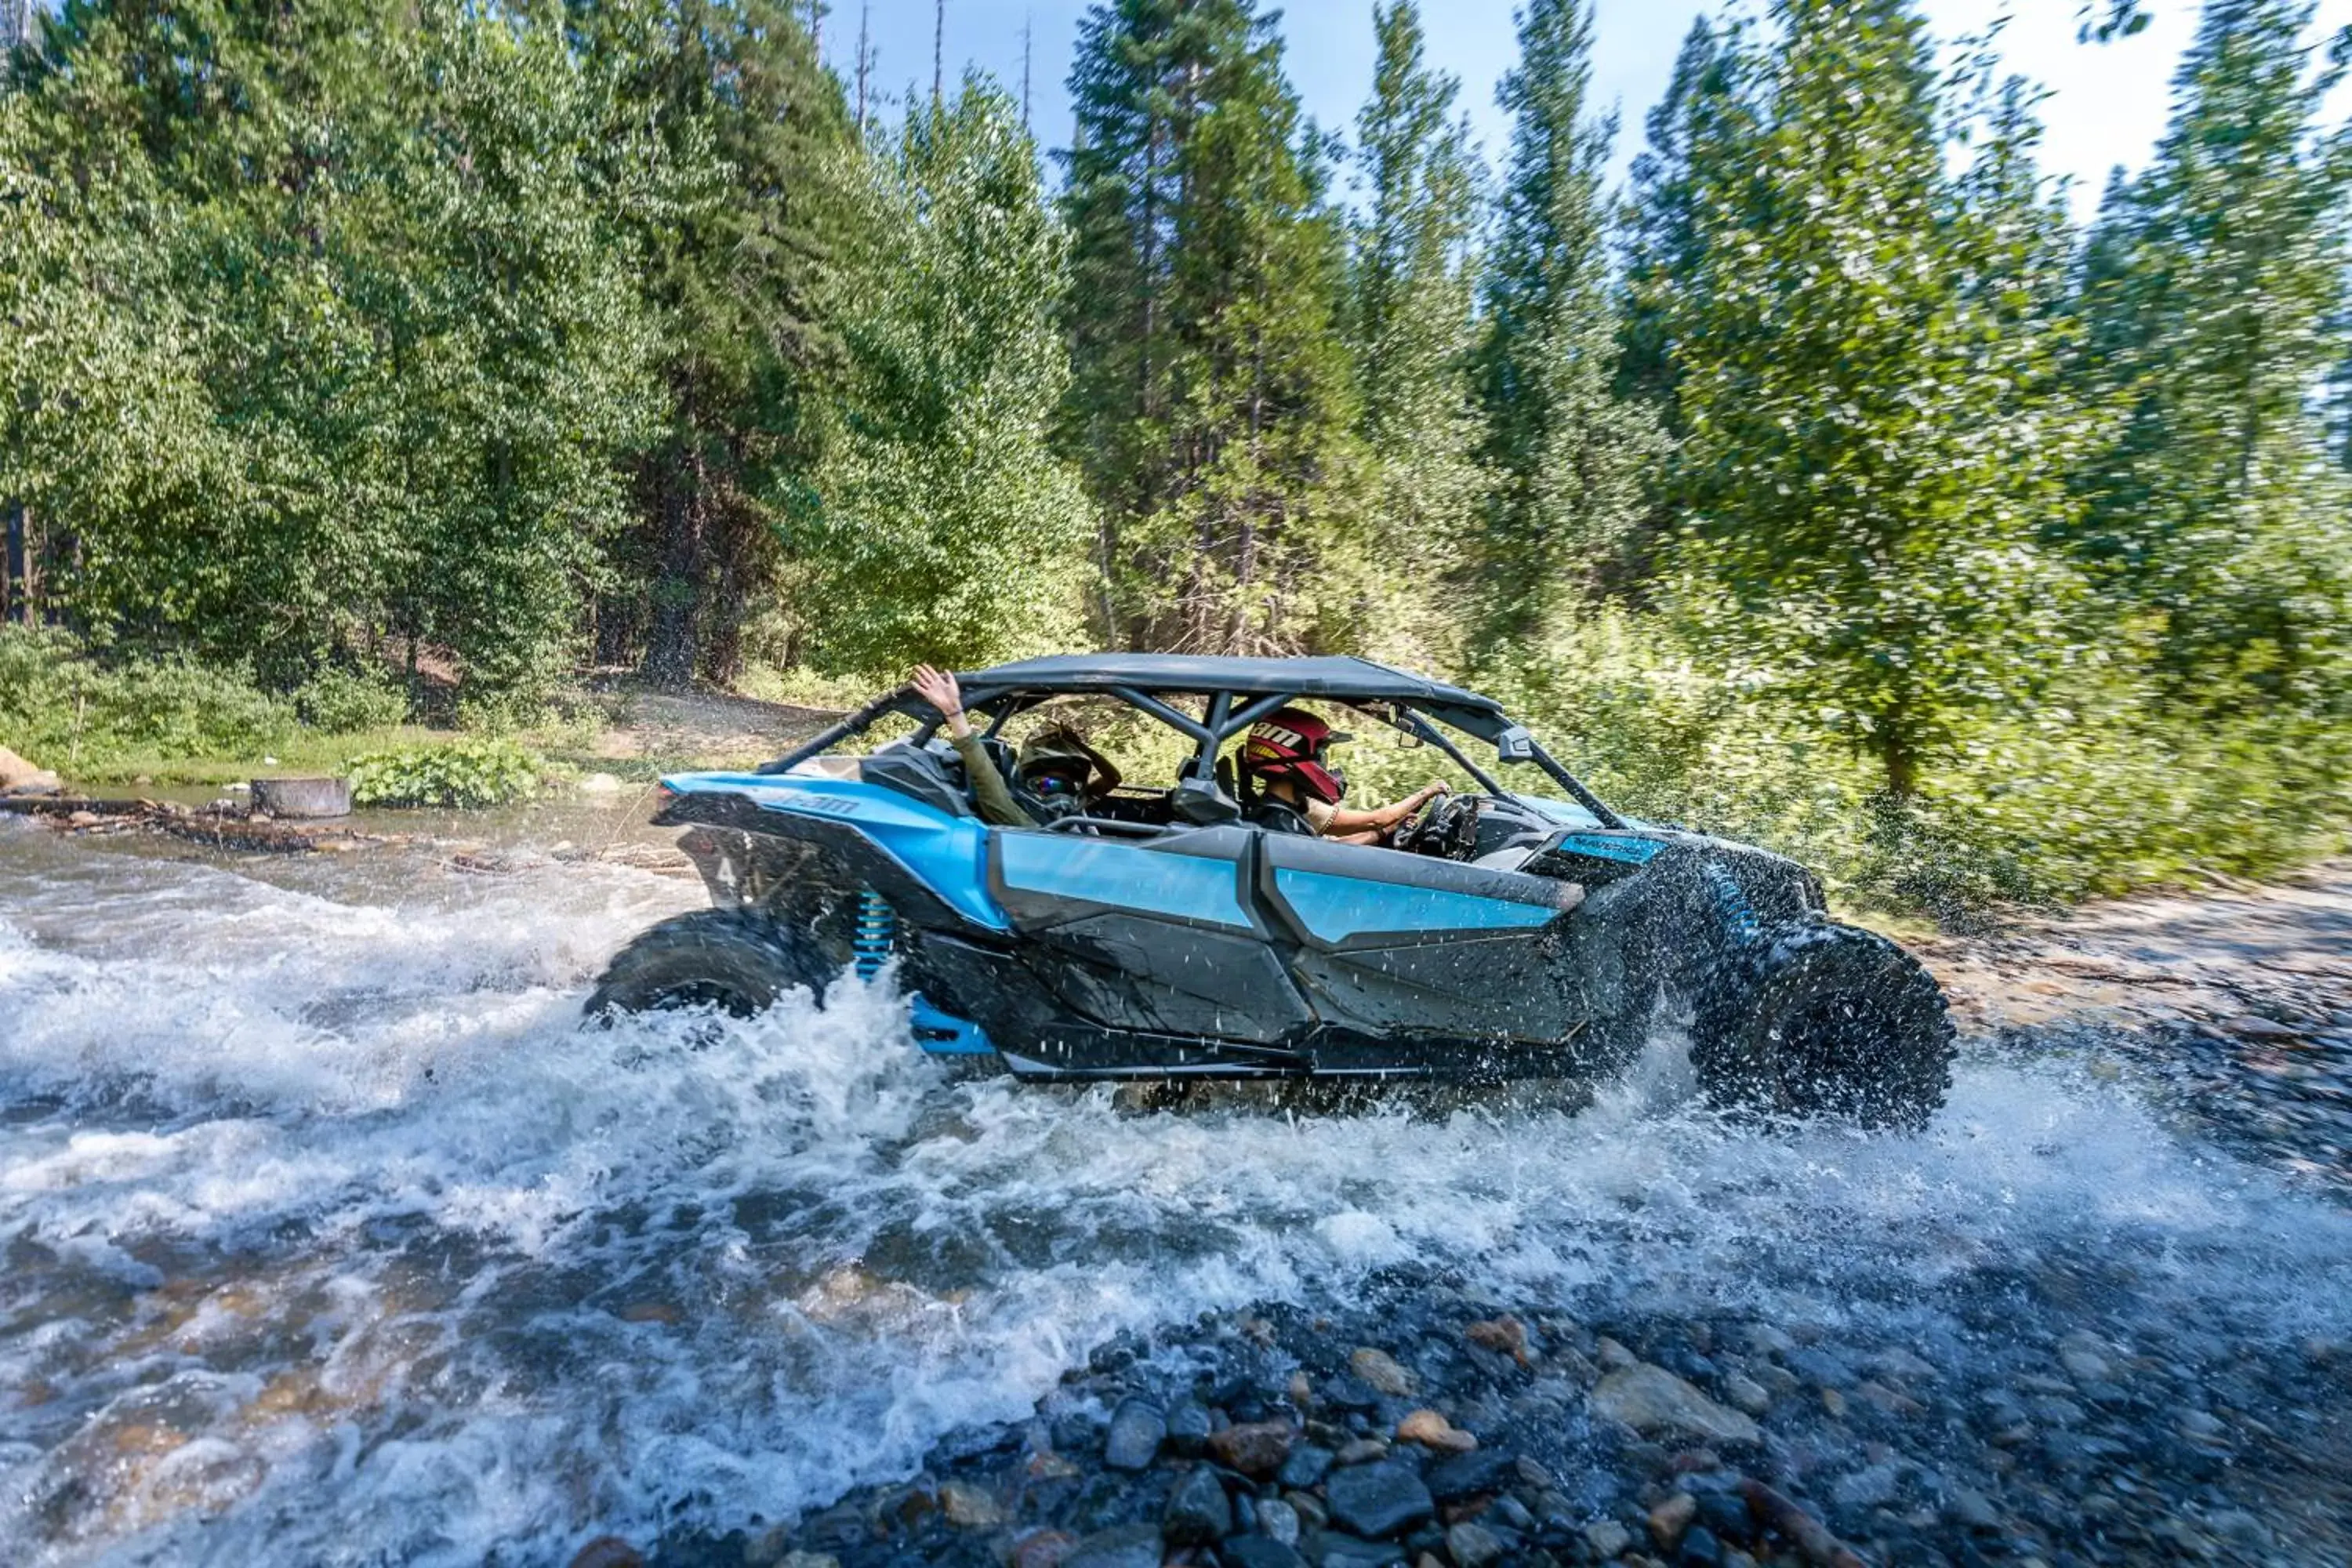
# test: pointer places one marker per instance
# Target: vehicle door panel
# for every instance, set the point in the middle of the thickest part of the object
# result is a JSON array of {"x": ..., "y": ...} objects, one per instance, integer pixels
[
  {"x": 1158, "y": 934},
  {"x": 1392, "y": 943}
]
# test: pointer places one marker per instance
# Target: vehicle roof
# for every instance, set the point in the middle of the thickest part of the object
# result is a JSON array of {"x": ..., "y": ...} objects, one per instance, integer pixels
[{"x": 1343, "y": 677}]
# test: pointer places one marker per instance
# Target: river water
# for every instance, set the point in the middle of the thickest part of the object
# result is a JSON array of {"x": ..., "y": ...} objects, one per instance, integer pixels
[{"x": 330, "y": 1237}]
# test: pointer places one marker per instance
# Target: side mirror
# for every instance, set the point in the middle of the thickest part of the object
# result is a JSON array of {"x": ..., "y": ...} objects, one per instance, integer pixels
[{"x": 1515, "y": 745}]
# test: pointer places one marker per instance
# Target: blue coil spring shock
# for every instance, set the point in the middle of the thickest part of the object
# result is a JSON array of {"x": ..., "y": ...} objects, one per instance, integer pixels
[{"x": 877, "y": 924}]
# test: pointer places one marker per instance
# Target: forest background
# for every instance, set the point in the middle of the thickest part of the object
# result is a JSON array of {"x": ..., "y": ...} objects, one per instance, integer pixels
[{"x": 1828, "y": 485}]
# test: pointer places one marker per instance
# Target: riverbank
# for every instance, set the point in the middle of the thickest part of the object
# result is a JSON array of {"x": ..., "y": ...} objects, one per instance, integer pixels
[{"x": 2029, "y": 1408}]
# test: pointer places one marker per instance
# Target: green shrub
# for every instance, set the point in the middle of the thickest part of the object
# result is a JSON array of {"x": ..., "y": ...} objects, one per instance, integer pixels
[
  {"x": 60, "y": 705},
  {"x": 461, "y": 773},
  {"x": 341, "y": 702}
]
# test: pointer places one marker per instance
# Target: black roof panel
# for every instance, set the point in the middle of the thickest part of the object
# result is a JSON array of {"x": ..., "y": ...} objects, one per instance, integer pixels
[{"x": 1344, "y": 679}]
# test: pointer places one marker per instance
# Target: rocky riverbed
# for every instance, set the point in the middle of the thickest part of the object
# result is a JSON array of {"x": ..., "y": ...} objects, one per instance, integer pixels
[{"x": 330, "y": 1238}]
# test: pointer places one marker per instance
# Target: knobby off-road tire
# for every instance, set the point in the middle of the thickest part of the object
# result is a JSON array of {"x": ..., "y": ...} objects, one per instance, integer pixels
[
  {"x": 735, "y": 960},
  {"x": 1827, "y": 1020}
]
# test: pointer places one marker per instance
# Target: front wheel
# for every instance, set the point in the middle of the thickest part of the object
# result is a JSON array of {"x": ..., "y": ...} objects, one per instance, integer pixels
[
  {"x": 1828, "y": 1020},
  {"x": 733, "y": 959}
]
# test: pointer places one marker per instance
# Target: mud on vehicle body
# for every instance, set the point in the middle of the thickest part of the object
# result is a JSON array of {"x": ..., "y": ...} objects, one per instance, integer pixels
[{"x": 1518, "y": 934}]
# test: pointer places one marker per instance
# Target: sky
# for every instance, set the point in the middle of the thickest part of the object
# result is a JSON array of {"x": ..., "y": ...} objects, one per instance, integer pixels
[{"x": 2108, "y": 106}]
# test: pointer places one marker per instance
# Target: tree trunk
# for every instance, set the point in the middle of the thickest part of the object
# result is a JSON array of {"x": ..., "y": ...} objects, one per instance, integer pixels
[
  {"x": 670, "y": 642},
  {"x": 16, "y": 570},
  {"x": 1901, "y": 762}
]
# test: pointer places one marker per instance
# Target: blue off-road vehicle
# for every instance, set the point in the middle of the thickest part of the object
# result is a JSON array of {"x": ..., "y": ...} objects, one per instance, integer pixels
[{"x": 1158, "y": 932}]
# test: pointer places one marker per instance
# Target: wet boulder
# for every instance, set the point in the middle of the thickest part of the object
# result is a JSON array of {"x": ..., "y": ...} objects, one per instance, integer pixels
[
  {"x": 1255, "y": 1449},
  {"x": 1121, "y": 1546},
  {"x": 18, "y": 776},
  {"x": 1378, "y": 1499},
  {"x": 1652, "y": 1400},
  {"x": 1198, "y": 1513},
  {"x": 1259, "y": 1552},
  {"x": 1137, "y": 1431}
]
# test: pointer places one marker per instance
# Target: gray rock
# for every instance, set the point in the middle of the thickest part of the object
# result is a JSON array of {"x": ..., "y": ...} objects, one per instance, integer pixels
[
  {"x": 1198, "y": 1513},
  {"x": 1381, "y": 1372},
  {"x": 1970, "y": 1509},
  {"x": 1607, "y": 1538},
  {"x": 1259, "y": 1552},
  {"x": 1700, "y": 1549},
  {"x": 1378, "y": 1500},
  {"x": 1121, "y": 1546},
  {"x": 1746, "y": 1393},
  {"x": 1766, "y": 1340},
  {"x": 1280, "y": 1520},
  {"x": 1821, "y": 1368},
  {"x": 1866, "y": 1488},
  {"x": 1471, "y": 1474},
  {"x": 303, "y": 797},
  {"x": 1652, "y": 1400},
  {"x": 1136, "y": 1430},
  {"x": 1306, "y": 1466},
  {"x": 1312, "y": 1514},
  {"x": 1471, "y": 1545},
  {"x": 1332, "y": 1549},
  {"x": 969, "y": 1507},
  {"x": 1345, "y": 1391},
  {"x": 1513, "y": 1512},
  {"x": 1188, "y": 1428},
  {"x": 1903, "y": 1364}
]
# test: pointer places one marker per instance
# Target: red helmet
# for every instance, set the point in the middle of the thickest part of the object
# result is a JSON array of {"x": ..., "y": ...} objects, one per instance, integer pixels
[{"x": 1291, "y": 743}]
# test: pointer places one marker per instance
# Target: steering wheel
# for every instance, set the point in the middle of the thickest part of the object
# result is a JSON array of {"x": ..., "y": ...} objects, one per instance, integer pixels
[{"x": 1447, "y": 828}]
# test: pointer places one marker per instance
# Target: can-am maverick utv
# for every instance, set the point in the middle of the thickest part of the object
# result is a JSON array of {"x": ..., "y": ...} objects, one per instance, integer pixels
[{"x": 1505, "y": 935}]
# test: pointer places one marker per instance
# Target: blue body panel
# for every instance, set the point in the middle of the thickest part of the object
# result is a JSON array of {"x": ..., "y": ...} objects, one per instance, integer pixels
[
  {"x": 1105, "y": 871},
  {"x": 1334, "y": 909},
  {"x": 943, "y": 1035},
  {"x": 947, "y": 854},
  {"x": 1632, "y": 851}
]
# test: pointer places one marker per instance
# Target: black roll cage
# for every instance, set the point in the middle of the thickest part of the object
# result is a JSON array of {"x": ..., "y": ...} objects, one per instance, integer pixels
[{"x": 1221, "y": 722}]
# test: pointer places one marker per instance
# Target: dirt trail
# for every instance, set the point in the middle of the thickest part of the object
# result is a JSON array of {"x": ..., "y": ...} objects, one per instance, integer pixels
[
  {"x": 2240, "y": 1000},
  {"x": 718, "y": 727}
]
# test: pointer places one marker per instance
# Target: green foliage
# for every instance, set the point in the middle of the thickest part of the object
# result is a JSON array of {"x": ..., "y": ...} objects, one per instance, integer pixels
[
  {"x": 372, "y": 349},
  {"x": 1569, "y": 456},
  {"x": 1212, "y": 402},
  {"x": 1412, "y": 327},
  {"x": 2213, "y": 299},
  {"x": 730, "y": 167},
  {"x": 459, "y": 774},
  {"x": 1868, "y": 350},
  {"x": 949, "y": 529},
  {"x": 71, "y": 711},
  {"x": 2094, "y": 791},
  {"x": 343, "y": 701}
]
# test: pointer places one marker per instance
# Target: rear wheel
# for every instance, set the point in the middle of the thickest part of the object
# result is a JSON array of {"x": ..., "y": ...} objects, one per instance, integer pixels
[
  {"x": 735, "y": 960},
  {"x": 1829, "y": 1020}
]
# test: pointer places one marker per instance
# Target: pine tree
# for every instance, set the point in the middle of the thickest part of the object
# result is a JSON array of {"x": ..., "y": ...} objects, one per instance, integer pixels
[
  {"x": 1870, "y": 364},
  {"x": 730, "y": 150},
  {"x": 2213, "y": 290},
  {"x": 1411, "y": 325},
  {"x": 1702, "y": 117},
  {"x": 1569, "y": 457},
  {"x": 1209, "y": 402}
]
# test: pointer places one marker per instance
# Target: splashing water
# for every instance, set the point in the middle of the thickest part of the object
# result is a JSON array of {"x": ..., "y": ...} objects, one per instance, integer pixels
[{"x": 330, "y": 1237}]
